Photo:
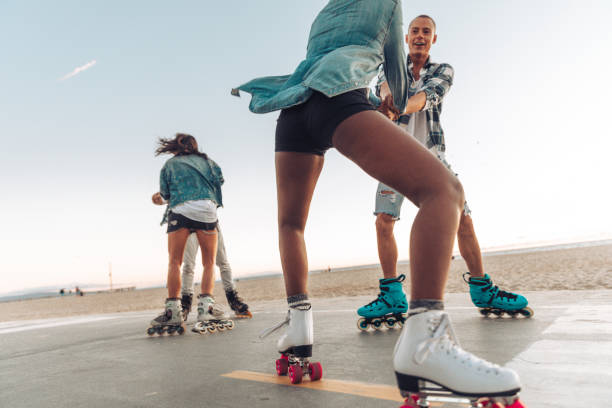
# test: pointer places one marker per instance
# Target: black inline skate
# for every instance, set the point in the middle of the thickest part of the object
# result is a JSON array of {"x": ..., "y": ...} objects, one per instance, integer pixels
[
  {"x": 186, "y": 300},
  {"x": 241, "y": 309}
]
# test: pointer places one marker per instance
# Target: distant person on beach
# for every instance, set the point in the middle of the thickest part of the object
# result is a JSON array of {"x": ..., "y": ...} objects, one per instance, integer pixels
[
  {"x": 191, "y": 184},
  {"x": 235, "y": 302},
  {"x": 428, "y": 83},
  {"x": 324, "y": 104}
]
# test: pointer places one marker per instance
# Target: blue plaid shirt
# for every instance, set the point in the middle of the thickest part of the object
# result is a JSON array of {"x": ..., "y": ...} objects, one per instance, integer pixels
[{"x": 437, "y": 81}]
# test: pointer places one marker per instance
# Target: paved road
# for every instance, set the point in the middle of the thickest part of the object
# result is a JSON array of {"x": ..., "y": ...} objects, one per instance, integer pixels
[{"x": 563, "y": 355}]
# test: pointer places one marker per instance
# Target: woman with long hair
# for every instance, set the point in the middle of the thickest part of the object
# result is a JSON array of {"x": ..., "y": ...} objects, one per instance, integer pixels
[
  {"x": 324, "y": 104},
  {"x": 190, "y": 182}
]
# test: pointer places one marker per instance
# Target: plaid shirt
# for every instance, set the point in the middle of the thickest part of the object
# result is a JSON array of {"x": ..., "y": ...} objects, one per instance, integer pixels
[{"x": 437, "y": 81}]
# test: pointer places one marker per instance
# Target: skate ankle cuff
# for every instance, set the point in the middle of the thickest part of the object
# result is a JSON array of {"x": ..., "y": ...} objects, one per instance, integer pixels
[{"x": 400, "y": 278}]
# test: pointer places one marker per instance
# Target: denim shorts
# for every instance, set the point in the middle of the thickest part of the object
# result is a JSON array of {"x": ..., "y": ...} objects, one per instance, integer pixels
[
  {"x": 389, "y": 201},
  {"x": 178, "y": 221},
  {"x": 309, "y": 127}
]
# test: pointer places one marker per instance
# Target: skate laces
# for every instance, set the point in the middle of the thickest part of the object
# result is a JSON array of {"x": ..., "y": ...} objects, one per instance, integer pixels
[
  {"x": 498, "y": 293},
  {"x": 444, "y": 335},
  {"x": 380, "y": 298}
]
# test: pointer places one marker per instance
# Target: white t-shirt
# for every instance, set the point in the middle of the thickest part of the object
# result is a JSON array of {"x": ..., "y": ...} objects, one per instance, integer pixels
[
  {"x": 417, "y": 125},
  {"x": 198, "y": 210}
]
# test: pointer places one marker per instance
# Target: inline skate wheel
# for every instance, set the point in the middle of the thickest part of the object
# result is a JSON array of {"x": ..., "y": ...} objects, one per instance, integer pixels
[
  {"x": 527, "y": 312},
  {"x": 295, "y": 374},
  {"x": 315, "y": 371},
  {"x": 390, "y": 323},
  {"x": 230, "y": 324},
  {"x": 211, "y": 329},
  {"x": 221, "y": 327},
  {"x": 151, "y": 331},
  {"x": 484, "y": 312},
  {"x": 180, "y": 330},
  {"x": 282, "y": 366},
  {"x": 159, "y": 330},
  {"x": 377, "y": 324},
  {"x": 171, "y": 330},
  {"x": 362, "y": 324},
  {"x": 497, "y": 313}
]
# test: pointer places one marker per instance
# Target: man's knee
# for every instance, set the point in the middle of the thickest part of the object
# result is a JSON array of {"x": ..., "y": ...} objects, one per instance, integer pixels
[{"x": 384, "y": 224}]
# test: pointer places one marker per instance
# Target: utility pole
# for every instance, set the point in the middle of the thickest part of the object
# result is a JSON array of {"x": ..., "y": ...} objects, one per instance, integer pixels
[{"x": 110, "y": 275}]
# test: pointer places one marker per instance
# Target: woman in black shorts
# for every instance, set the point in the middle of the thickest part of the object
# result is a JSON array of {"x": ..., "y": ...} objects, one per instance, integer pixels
[
  {"x": 324, "y": 104},
  {"x": 190, "y": 182}
]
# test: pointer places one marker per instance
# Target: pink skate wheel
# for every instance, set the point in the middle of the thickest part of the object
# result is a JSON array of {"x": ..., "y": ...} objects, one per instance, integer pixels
[
  {"x": 411, "y": 402},
  {"x": 282, "y": 365},
  {"x": 295, "y": 374},
  {"x": 315, "y": 371}
]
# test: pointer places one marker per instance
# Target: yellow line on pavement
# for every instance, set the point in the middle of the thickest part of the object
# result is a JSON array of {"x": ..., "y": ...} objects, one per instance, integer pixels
[{"x": 378, "y": 391}]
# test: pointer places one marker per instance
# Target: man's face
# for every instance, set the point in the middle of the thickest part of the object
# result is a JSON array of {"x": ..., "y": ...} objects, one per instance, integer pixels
[{"x": 421, "y": 35}]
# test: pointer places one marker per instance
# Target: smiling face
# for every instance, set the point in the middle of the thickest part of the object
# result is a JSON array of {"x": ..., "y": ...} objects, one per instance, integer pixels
[{"x": 421, "y": 35}]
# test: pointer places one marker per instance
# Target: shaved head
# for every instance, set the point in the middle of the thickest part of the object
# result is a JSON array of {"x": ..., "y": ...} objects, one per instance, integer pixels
[{"x": 424, "y": 16}]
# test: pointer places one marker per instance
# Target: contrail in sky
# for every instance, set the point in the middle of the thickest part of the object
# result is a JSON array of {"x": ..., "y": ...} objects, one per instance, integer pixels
[{"x": 78, "y": 70}]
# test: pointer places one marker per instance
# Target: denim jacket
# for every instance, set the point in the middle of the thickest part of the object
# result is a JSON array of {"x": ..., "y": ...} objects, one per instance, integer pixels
[
  {"x": 190, "y": 177},
  {"x": 348, "y": 41}
]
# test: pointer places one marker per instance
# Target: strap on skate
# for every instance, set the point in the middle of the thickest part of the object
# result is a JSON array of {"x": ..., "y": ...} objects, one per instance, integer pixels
[{"x": 274, "y": 328}]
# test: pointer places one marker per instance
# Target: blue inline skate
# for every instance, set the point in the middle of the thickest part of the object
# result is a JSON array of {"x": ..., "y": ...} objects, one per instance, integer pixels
[
  {"x": 492, "y": 300},
  {"x": 388, "y": 309}
]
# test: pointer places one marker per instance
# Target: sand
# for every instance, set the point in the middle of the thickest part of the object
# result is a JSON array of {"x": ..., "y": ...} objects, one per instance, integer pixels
[{"x": 561, "y": 269}]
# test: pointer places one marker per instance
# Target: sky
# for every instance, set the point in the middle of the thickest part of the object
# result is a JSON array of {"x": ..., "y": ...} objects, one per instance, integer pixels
[{"x": 88, "y": 87}]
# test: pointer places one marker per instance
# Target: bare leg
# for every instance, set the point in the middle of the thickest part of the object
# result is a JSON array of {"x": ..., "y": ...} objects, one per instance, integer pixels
[
  {"x": 296, "y": 178},
  {"x": 468, "y": 246},
  {"x": 176, "y": 247},
  {"x": 208, "y": 243},
  {"x": 387, "y": 247},
  {"x": 416, "y": 173}
]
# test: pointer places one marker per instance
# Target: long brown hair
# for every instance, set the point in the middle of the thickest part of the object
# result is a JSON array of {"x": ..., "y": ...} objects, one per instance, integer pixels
[{"x": 181, "y": 145}]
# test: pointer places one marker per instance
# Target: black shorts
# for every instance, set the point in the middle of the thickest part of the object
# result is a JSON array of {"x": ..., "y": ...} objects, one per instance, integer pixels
[
  {"x": 309, "y": 127},
  {"x": 178, "y": 221}
]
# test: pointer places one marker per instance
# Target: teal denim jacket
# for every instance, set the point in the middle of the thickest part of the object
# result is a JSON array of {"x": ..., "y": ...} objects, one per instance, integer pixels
[
  {"x": 190, "y": 177},
  {"x": 348, "y": 42}
]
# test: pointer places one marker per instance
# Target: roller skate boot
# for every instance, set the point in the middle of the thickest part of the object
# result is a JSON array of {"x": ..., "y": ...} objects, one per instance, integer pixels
[
  {"x": 170, "y": 321},
  {"x": 186, "y": 300},
  {"x": 295, "y": 345},
  {"x": 491, "y": 300},
  {"x": 430, "y": 364},
  {"x": 241, "y": 309},
  {"x": 388, "y": 309},
  {"x": 212, "y": 317}
]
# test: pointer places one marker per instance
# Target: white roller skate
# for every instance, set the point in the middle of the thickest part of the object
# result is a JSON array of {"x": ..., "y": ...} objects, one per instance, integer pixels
[
  {"x": 430, "y": 364},
  {"x": 170, "y": 321},
  {"x": 295, "y": 345},
  {"x": 212, "y": 317}
]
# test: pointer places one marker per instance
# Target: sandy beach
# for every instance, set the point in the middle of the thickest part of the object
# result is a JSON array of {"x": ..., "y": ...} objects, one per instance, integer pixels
[{"x": 558, "y": 269}]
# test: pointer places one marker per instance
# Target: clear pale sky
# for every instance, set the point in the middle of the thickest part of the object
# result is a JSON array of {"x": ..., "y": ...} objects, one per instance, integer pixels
[{"x": 526, "y": 123}]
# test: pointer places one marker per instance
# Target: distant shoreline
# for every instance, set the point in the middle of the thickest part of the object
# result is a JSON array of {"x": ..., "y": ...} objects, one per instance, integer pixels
[{"x": 487, "y": 252}]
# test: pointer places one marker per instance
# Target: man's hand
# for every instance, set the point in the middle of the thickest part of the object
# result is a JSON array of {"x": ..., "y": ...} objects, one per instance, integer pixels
[
  {"x": 386, "y": 106},
  {"x": 158, "y": 199}
]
